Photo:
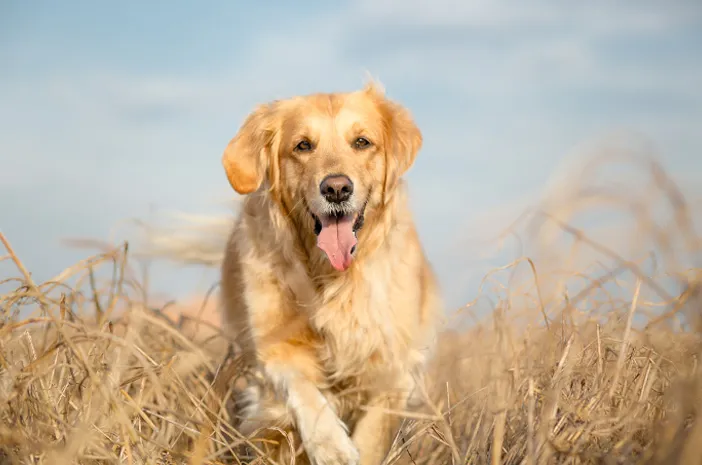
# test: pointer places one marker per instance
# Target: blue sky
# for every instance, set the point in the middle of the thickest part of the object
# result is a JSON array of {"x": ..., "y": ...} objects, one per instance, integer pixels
[{"x": 109, "y": 109}]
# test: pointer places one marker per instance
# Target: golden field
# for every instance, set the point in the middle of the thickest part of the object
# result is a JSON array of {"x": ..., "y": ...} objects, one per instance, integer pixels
[{"x": 589, "y": 352}]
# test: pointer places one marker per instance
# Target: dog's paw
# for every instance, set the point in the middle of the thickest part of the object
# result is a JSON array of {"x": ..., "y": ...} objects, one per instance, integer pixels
[
  {"x": 330, "y": 444},
  {"x": 337, "y": 451}
]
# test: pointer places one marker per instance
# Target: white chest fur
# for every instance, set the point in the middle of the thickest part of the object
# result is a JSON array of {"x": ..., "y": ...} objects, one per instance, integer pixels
[
  {"x": 366, "y": 317},
  {"x": 363, "y": 325}
]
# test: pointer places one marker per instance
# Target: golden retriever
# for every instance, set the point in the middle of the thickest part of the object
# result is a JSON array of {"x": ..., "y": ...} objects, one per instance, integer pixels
[{"x": 324, "y": 278}]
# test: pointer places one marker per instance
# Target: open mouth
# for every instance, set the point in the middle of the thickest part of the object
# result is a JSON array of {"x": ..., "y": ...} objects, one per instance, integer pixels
[{"x": 336, "y": 236}]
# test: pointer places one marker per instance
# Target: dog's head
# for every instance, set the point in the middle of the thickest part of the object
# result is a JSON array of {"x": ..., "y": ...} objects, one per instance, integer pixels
[{"x": 330, "y": 159}]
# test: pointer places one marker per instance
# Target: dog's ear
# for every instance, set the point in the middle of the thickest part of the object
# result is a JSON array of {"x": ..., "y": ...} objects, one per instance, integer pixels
[
  {"x": 247, "y": 156},
  {"x": 404, "y": 140}
]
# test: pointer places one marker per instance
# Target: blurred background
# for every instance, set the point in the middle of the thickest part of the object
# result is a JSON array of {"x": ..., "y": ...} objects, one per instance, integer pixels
[{"x": 114, "y": 111}]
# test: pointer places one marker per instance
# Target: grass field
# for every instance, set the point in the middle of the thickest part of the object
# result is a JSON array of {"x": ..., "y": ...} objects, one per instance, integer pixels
[{"x": 589, "y": 355}]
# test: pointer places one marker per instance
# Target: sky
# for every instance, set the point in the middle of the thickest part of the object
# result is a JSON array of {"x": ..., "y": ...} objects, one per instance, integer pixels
[{"x": 111, "y": 110}]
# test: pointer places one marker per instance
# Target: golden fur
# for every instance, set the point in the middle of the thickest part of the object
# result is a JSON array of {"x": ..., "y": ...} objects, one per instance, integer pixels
[{"x": 337, "y": 349}]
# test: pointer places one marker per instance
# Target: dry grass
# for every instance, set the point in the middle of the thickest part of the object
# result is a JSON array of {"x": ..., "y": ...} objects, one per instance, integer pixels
[{"x": 590, "y": 355}]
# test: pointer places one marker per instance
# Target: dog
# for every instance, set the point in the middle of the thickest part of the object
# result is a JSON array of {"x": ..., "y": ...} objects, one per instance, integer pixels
[{"x": 324, "y": 281}]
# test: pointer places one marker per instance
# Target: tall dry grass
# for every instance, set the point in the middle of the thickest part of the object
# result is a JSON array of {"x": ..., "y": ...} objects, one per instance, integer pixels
[{"x": 589, "y": 355}]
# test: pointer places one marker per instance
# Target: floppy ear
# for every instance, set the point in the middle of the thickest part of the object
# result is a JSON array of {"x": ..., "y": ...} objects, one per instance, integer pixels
[
  {"x": 403, "y": 141},
  {"x": 405, "y": 138},
  {"x": 246, "y": 157}
]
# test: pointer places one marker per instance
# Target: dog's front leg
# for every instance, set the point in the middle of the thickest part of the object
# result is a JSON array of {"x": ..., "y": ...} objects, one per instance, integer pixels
[
  {"x": 324, "y": 436},
  {"x": 285, "y": 349},
  {"x": 375, "y": 430}
]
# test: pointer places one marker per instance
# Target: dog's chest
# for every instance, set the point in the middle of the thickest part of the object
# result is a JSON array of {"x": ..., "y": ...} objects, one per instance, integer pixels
[{"x": 359, "y": 322}]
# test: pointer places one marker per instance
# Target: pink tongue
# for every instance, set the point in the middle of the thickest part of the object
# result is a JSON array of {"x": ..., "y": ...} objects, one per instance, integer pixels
[{"x": 337, "y": 240}]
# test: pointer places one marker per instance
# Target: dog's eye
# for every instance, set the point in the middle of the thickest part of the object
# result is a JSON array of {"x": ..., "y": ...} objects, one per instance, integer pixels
[
  {"x": 303, "y": 146},
  {"x": 361, "y": 143}
]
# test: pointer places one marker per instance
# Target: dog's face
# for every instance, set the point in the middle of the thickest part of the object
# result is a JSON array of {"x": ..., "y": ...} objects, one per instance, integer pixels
[{"x": 331, "y": 159}]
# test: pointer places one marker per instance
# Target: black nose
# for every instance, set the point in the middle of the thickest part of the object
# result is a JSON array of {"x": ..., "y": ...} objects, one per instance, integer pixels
[{"x": 336, "y": 188}]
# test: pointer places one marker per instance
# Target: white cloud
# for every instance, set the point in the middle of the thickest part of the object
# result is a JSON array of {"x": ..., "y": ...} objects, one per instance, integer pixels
[
  {"x": 595, "y": 16},
  {"x": 531, "y": 46}
]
